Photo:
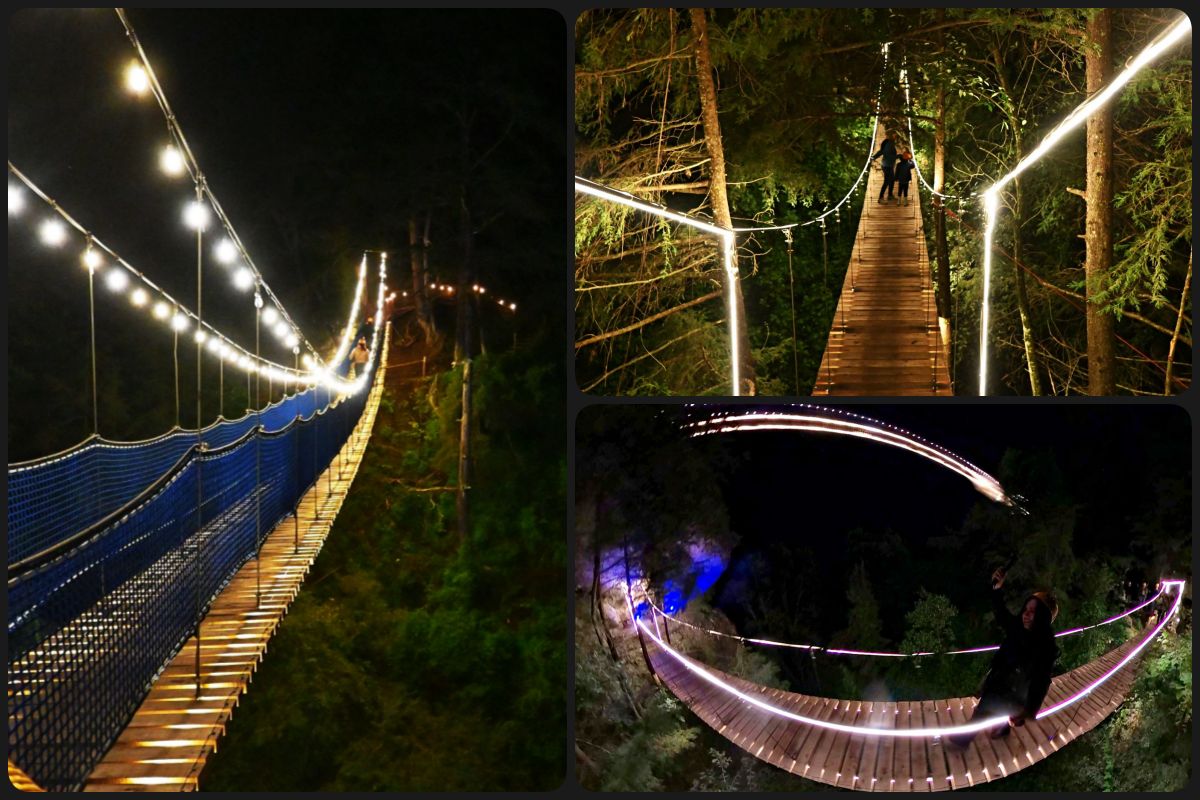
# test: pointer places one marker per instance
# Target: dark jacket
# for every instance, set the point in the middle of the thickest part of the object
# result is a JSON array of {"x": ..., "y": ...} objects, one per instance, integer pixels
[
  {"x": 904, "y": 170},
  {"x": 888, "y": 151},
  {"x": 1022, "y": 668}
]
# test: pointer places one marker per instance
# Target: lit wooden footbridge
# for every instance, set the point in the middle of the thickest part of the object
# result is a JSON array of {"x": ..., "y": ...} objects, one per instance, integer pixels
[
  {"x": 890, "y": 745},
  {"x": 141, "y": 601},
  {"x": 884, "y": 338}
]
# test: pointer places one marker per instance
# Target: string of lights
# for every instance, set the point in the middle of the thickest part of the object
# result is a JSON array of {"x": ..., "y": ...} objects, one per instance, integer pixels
[
  {"x": 912, "y": 143},
  {"x": 834, "y": 651},
  {"x": 871, "y": 151},
  {"x": 121, "y": 277},
  {"x": 177, "y": 159}
]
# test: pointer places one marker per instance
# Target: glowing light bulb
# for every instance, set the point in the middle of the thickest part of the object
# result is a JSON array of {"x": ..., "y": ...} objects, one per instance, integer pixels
[
  {"x": 281, "y": 329},
  {"x": 195, "y": 215},
  {"x": 269, "y": 315},
  {"x": 171, "y": 161},
  {"x": 92, "y": 260},
  {"x": 243, "y": 278},
  {"x": 292, "y": 341},
  {"x": 258, "y": 301},
  {"x": 16, "y": 200},
  {"x": 214, "y": 345},
  {"x": 512, "y": 306},
  {"x": 307, "y": 361},
  {"x": 139, "y": 297},
  {"x": 179, "y": 322},
  {"x": 161, "y": 310},
  {"x": 200, "y": 336},
  {"x": 136, "y": 79},
  {"x": 226, "y": 251},
  {"x": 116, "y": 279},
  {"x": 295, "y": 350},
  {"x": 53, "y": 232}
]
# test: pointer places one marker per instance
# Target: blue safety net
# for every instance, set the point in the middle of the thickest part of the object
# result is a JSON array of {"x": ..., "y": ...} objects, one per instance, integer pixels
[
  {"x": 52, "y": 498},
  {"x": 94, "y": 619}
]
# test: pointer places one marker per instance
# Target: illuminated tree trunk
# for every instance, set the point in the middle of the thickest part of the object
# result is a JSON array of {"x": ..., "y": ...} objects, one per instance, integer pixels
[
  {"x": 1098, "y": 233},
  {"x": 941, "y": 247},
  {"x": 718, "y": 195},
  {"x": 1184, "y": 296},
  {"x": 1035, "y": 382}
]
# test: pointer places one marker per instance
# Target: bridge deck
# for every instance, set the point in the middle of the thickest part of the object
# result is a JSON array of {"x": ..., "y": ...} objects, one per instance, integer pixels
[
  {"x": 873, "y": 763},
  {"x": 884, "y": 337},
  {"x": 168, "y": 740}
]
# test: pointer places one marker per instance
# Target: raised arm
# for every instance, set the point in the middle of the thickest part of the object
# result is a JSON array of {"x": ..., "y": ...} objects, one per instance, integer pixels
[{"x": 1004, "y": 618}]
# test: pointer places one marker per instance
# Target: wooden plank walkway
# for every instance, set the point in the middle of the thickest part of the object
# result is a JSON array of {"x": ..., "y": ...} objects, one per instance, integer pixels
[
  {"x": 168, "y": 740},
  {"x": 874, "y": 763},
  {"x": 884, "y": 338}
]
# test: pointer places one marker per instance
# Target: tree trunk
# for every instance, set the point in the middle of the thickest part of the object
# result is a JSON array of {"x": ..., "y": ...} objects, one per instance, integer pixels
[
  {"x": 418, "y": 259},
  {"x": 1018, "y": 210},
  {"x": 1098, "y": 233},
  {"x": 1035, "y": 383},
  {"x": 718, "y": 194},
  {"x": 940, "y": 244},
  {"x": 465, "y": 309},
  {"x": 464, "y": 454},
  {"x": 1184, "y": 296}
]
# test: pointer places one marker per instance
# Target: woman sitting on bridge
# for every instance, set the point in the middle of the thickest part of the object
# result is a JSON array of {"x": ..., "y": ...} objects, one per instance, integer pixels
[{"x": 1019, "y": 677}]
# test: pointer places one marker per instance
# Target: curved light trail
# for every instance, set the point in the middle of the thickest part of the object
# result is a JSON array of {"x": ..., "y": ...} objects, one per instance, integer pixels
[
  {"x": 849, "y": 424},
  {"x": 913, "y": 733}
]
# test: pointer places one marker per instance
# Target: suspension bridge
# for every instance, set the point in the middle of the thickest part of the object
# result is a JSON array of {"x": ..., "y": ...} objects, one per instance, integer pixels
[
  {"x": 884, "y": 337},
  {"x": 141, "y": 598},
  {"x": 882, "y": 745},
  {"x": 146, "y": 578}
]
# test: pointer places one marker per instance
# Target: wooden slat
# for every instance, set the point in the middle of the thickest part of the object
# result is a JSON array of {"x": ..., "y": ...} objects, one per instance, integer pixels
[{"x": 887, "y": 763}]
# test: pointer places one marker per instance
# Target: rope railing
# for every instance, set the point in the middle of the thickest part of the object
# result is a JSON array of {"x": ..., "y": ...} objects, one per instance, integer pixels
[
  {"x": 93, "y": 619},
  {"x": 838, "y": 651},
  {"x": 55, "y": 496}
]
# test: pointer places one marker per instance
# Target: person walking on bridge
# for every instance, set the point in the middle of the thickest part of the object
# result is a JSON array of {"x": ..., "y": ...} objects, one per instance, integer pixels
[
  {"x": 1019, "y": 677},
  {"x": 888, "y": 151},
  {"x": 904, "y": 171},
  {"x": 358, "y": 358}
]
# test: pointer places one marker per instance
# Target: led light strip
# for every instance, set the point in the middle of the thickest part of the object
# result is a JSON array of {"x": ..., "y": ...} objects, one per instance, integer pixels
[
  {"x": 184, "y": 154},
  {"x": 984, "y": 483},
  {"x": 911, "y": 733},
  {"x": 874, "y": 653},
  {"x": 991, "y": 197},
  {"x": 727, "y": 236}
]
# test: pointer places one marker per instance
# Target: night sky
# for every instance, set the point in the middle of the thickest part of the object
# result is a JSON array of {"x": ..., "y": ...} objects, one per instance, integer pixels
[
  {"x": 320, "y": 132},
  {"x": 1110, "y": 455},
  {"x": 811, "y": 495}
]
